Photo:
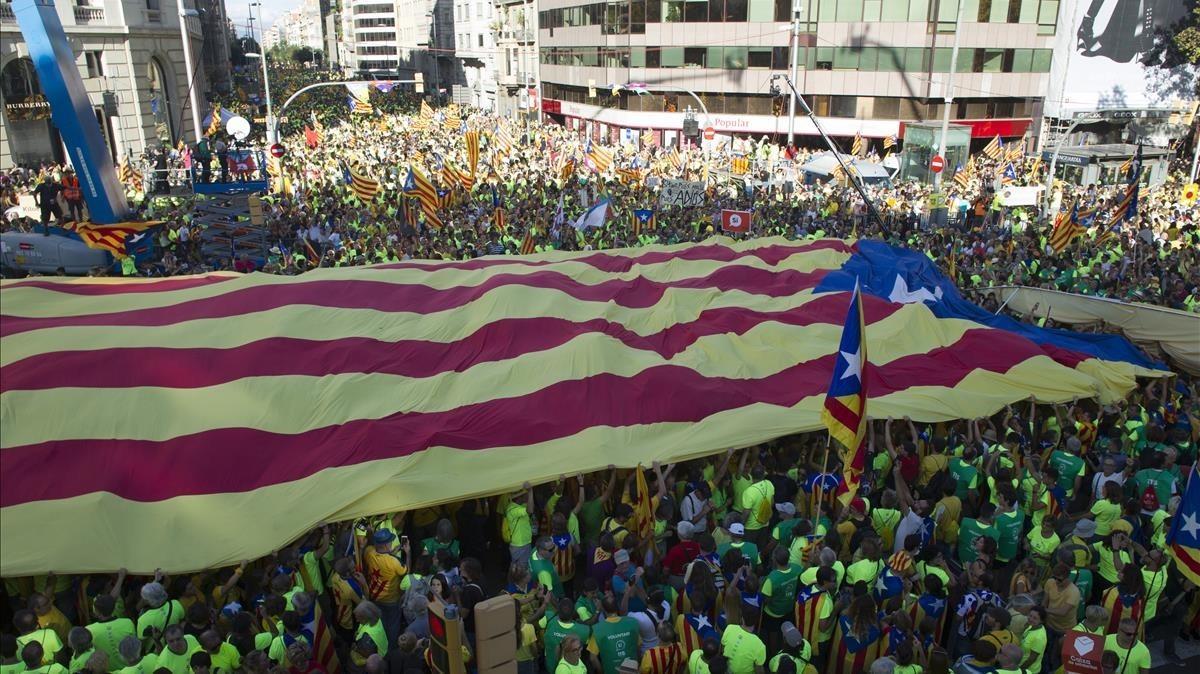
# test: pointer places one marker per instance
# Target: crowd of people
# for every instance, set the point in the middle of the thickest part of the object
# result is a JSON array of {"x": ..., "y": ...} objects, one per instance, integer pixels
[{"x": 973, "y": 546}]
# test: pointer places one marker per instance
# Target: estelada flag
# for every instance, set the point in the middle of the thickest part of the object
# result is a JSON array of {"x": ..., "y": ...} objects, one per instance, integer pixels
[
  {"x": 1183, "y": 540},
  {"x": 845, "y": 409},
  {"x": 735, "y": 221}
]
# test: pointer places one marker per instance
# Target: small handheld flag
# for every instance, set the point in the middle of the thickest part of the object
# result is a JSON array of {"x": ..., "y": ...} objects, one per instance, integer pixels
[
  {"x": 643, "y": 219},
  {"x": 845, "y": 410}
]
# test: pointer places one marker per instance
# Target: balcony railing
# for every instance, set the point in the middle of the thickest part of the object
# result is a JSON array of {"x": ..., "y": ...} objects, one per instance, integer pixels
[
  {"x": 6, "y": 13},
  {"x": 518, "y": 35},
  {"x": 88, "y": 15}
]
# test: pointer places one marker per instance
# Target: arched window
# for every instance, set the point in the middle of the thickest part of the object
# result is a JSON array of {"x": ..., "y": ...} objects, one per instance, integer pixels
[
  {"x": 162, "y": 102},
  {"x": 19, "y": 80}
]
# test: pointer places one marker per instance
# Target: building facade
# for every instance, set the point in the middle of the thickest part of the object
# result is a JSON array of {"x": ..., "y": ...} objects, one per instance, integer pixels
[
  {"x": 475, "y": 48},
  {"x": 300, "y": 27},
  {"x": 516, "y": 33},
  {"x": 130, "y": 56},
  {"x": 369, "y": 34},
  {"x": 866, "y": 66}
]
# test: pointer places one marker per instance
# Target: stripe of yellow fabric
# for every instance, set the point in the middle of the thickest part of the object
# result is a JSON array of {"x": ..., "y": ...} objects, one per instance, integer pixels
[
  {"x": 122, "y": 413},
  {"x": 119, "y": 533},
  {"x": 677, "y": 305},
  {"x": 269, "y": 403},
  {"x": 37, "y": 302}
]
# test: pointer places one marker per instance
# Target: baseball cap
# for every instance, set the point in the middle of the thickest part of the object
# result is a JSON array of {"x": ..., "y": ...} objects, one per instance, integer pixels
[
  {"x": 685, "y": 529},
  {"x": 621, "y": 557},
  {"x": 791, "y": 635},
  {"x": 737, "y": 529},
  {"x": 785, "y": 508}
]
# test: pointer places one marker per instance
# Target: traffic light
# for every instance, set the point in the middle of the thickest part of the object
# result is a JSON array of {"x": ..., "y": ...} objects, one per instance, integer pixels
[
  {"x": 445, "y": 640},
  {"x": 496, "y": 636}
]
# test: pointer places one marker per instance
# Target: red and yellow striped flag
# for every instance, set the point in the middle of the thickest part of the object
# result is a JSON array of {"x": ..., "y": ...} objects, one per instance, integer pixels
[
  {"x": 643, "y": 511},
  {"x": 192, "y": 397}
]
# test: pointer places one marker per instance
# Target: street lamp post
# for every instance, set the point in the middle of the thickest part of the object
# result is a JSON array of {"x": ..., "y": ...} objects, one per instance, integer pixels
[
  {"x": 189, "y": 66},
  {"x": 270, "y": 122},
  {"x": 948, "y": 94}
]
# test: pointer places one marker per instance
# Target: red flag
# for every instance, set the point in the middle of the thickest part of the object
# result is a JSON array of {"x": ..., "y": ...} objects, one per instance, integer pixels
[
  {"x": 241, "y": 164},
  {"x": 735, "y": 221},
  {"x": 311, "y": 138}
]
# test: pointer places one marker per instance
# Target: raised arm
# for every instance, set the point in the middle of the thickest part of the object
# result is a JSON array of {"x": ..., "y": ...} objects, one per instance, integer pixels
[{"x": 887, "y": 439}]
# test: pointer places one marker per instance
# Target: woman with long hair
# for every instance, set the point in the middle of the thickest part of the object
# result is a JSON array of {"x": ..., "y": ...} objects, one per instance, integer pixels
[{"x": 858, "y": 640}]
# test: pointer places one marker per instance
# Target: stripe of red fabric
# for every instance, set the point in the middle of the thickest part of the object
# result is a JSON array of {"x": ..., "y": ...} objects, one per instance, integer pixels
[
  {"x": 500, "y": 340},
  {"x": 198, "y": 463},
  {"x": 421, "y": 299}
]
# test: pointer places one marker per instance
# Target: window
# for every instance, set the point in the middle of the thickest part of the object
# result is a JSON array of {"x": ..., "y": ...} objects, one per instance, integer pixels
[
  {"x": 480, "y": 39},
  {"x": 762, "y": 10},
  {"x": 918, "y": 10},
  {"x": 760, "y": 57},
  {"x": 152, "y": 5},
  {"x": 1047, "y": 16},
  {"x": 736, "y": 57},
  {"x": 780, "y": 59},
  {"x": 885, "y": 108},
  {"x": 672, "y": 57},
  {"x": 735, "y": 11},
  {"x": 694, "y": 57},
  {"x": 637, "y": 22},
  {"x": 941, "y": 60},
  {"x": 999, "y": 11},
  {"x": 95, "y": 63},
  {"x": 845, "y": 58},
  {"x": 695, "y": 11},
  {"x": 989, "y": 60},
  {"x": 672, "y": 11},
  {"x": 850, "y": 10},
  {"x": 820, "y": 105},
  {"x": 362, "y": 9},
  {"x": 894, "y": 10},
  {"x": 1022, "y": 60},
  {"x": 783, "y": 10},
  {"x": 637, "y": 58},
  {"x": 1028, "y": 11},
  {"x": 1041, "y": 60},
  {"x": 824, "y": 59}
]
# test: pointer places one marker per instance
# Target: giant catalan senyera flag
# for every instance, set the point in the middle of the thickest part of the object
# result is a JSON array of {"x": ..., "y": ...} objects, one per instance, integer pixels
[{"x": 193, "y": 422}]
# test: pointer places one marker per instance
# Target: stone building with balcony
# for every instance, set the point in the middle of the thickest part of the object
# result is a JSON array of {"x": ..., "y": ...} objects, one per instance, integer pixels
[
  {"x": 130, "y": 57},
  {"x": 516, "y": 35}
]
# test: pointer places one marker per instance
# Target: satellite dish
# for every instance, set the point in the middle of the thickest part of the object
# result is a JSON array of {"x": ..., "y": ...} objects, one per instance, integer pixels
[{"x": 238, "y": 127}]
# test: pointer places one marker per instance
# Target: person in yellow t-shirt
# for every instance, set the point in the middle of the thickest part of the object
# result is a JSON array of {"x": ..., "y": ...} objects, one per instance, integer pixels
[
  {"x": 385, "y": 571},
  {"x": 29, "y": 632},
  {"x": 224, "y": 656},
  {"x": 32, "y": 656},
  {"x": 176, "y": 656},
  {"x": 1133, "y": 657},
  {"x": 48, "y": 615},
  {"x": 130, "y": 650}
]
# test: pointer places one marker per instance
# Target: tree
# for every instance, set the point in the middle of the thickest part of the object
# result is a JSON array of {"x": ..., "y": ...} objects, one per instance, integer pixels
[{"x": 1175, "y": 53}]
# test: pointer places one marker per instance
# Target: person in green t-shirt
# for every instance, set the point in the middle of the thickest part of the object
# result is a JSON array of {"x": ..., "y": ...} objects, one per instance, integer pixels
[
  {"x": 966, "y": 476},
  {"x": 558, "y": 628},
  {"x": 1009, "y": 522},
  {"x": 517, "y": 527},
  {"x": 1069, "y": 465},
  {"x": 1154, "y": 478},
  {"x": 779, "y": 594},
  {"x": 130, "y": 650},
  {"x": 541, "y": 564},
  {"x": 973, "y": 529},
  {"x": 614, "y": 639}
]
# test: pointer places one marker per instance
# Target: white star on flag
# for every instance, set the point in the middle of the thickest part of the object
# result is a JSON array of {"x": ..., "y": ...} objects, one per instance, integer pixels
[
  {"x": 853, "y": 365},
  {"x": 1190, "y": 525}
]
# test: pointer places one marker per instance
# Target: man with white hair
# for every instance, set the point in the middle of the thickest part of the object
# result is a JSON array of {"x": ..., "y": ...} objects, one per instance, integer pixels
[
  {"x": 883, "y": 665},
  {"x": 161, "y": 612}
]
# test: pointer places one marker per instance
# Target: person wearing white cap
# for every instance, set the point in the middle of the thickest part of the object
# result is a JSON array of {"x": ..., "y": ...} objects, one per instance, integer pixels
[{"x": 737, "y": 532}]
